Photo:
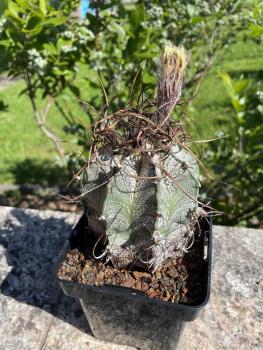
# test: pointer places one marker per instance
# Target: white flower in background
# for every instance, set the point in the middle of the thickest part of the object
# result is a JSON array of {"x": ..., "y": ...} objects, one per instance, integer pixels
[
  {"x": 155, "y": 11},
  {"x": 242, "y": 101},
  {"x": 68, "y": 48},
  {"x": 130, "y": 66},
  {"x": 33, "y": 53},
  {"x": 165, "y": 42},
  {"x": 260, "y": 108},
  {"x": 171, "y": 26},
  {"x": 219, "y": 133},
  {"x": 241, "y": 114},
  {"x": 208, "y": 154},
  {"x": 221, "y": 21},
  {"x": 81, "y": 38},
  {"x": 75, "y": 68},
  {"x": 260, "y": 95},
  {"x": 235, "y": 17},
  {"x": 144, "y": 24},
  {"x": 155, "y": 14},
  {"x": 85, "y": 22},
  {"x": 36, "y": 61},
  {"x": 2, "y": 25},
  {"x": 68, "y": 34},
  {"x": 2, "y": 22},
  {"x": 158, "y": 23},
  {"x": 97, "y": 60},
  {"x": 85, "y": 35},
  {"x": 217, "y": 8},
  {"x": 40, "y": 62}
]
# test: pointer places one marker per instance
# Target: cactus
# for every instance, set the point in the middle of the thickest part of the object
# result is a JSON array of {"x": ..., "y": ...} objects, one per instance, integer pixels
[{"x": 144, "y": 202}]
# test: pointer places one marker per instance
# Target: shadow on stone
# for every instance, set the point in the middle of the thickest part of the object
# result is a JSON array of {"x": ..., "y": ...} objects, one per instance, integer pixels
[{"x": 31, "y": 243}]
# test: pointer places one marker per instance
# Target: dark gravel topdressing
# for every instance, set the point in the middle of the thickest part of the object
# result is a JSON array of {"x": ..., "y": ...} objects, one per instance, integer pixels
[{"x": 177, "y": 280}]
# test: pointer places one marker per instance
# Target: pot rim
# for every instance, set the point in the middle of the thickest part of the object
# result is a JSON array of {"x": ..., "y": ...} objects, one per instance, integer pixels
[{"x": 131, "y": 292}]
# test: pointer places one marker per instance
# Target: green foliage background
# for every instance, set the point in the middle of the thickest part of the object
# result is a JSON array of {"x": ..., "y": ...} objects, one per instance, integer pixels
[{"x": 57, "y": 57}]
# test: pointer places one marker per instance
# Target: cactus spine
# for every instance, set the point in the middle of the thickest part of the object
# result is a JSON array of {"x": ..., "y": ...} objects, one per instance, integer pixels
[{"x": 145, "y": 201}]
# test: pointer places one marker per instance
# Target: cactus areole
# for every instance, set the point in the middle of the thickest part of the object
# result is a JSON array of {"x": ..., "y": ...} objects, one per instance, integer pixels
[{"x": 141, "y": 186}]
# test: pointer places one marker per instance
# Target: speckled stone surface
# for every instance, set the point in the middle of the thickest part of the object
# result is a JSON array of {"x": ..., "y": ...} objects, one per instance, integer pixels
[
  {"x": 234, "y": 317},
  {"x": 34, "y": 313}
]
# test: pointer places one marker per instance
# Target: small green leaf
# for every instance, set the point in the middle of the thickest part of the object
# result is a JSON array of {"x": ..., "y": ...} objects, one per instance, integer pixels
[
  {"x": 61, "y": 42},
  {"x": 60, "y": 72},
  {"x": 5, "y": 43},
  {"x": 33, "y": 32},
  {"x": 43, "y": 7},
  {"x": 51, "y": 48},
  {"x": 237, "y": 105},
  {"x": 256, "y": 30},
  {"x": 137, "y": 16},
  {"x": 23, "y": 4},
  {"x": 148, "y": 78},
  {"x": 13, "y": 9},
  {"x": 241, "y": 85},
  {"x": 54, "y": 21},
  {"x": 197, "y": 19},
  {"x": 228, "y": 83},
  {"x": 3, "y": 6},
  {"x": 51, "y": 21}
]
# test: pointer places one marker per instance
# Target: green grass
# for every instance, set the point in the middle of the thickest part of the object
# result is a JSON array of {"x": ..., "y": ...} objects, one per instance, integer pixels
[
  {"x": 22, "y": 144},
  {"x": 20, "y": 138},
  {"x": 211, "y": 109}
]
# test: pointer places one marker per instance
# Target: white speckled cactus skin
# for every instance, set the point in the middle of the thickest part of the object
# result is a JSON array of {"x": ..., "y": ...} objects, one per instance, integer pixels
[
  {"x": 146, "y": 218},
  {"x": 146, "y": 203}
]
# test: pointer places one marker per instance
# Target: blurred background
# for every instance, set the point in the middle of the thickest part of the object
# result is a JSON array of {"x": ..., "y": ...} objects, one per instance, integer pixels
[{"x": 55, "y": 56}]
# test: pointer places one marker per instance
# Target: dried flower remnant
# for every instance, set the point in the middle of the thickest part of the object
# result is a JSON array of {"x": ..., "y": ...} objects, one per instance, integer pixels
[{"x": 172, "y": 67}]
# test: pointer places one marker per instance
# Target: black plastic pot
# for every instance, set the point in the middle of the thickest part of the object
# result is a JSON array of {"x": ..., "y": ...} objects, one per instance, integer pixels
[{"x": 125, "y": 316}]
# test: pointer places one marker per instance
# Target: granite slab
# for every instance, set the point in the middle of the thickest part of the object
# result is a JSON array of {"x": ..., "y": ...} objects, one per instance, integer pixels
[{"x": 35, "y": 314}]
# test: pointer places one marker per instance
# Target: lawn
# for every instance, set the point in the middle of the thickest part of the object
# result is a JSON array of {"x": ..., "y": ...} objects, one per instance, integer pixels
[
  {"x": 211, "y": 108},
  {"x": 23, "y": 146}
]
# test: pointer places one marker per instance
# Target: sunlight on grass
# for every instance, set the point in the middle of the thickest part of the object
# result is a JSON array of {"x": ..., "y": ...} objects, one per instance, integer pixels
[{"x": 20, "y": 137}]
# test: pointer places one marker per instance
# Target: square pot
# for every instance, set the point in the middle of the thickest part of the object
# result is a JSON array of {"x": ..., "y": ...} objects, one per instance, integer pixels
[{"x": 126, "y": 316}]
